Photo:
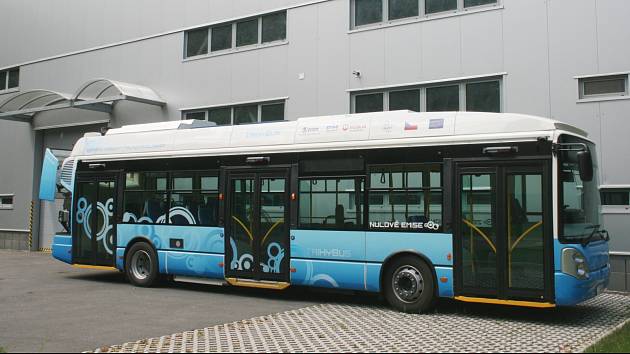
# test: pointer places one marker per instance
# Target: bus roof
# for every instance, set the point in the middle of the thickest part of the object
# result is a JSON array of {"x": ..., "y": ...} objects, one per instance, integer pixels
[{"x": 339, "y": 132}]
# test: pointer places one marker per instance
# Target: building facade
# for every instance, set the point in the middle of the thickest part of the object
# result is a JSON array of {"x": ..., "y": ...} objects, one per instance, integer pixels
[{"x": 80, "y": 67}]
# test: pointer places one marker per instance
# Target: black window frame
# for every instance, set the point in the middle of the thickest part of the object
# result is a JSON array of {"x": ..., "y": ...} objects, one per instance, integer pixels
[
  {"x": 359, "y": 201},
  {"x": 426, "y": 189},
  {"x": 169, "y": 191}
]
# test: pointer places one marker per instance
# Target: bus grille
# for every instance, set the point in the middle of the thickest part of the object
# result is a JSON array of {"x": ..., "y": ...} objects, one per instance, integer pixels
[{"x": 67, "y": 173}]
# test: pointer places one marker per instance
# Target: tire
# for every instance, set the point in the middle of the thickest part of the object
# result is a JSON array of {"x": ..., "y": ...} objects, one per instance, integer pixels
[
  {"x": 141, "y": 265},
  {"x": 408, "y": 285}
]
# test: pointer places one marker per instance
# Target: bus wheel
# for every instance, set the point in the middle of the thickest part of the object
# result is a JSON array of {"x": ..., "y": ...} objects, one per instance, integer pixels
[
  {"x": 141, "y": 265},
  {"x": 408, "y": 285}
]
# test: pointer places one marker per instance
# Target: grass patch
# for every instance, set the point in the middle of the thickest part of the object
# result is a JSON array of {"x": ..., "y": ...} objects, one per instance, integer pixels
[
  {"x": 2, "y": 350},
  {"x": 616, "y": 342}
]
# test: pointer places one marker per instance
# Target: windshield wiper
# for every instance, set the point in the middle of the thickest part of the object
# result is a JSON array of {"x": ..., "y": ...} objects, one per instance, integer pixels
[{"x": 590, "y": 237}]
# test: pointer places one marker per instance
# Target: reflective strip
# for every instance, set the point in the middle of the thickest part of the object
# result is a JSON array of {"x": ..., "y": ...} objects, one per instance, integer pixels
[
  {"x": 257, "y": 284},
  {"x": 86, "y": 266},
  {"x": 505, "y": 302}
]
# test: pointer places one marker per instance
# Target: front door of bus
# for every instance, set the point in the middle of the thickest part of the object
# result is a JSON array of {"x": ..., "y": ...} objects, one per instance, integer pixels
[
  {"x": 94, "y": 221},
  {"x": 502, "y": 232},
  {"x": 256, "y": 227}
]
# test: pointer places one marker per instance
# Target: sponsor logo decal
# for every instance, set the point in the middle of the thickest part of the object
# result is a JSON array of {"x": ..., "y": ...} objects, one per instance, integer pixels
[
  {"x": 436, "y": 123},
  {"x": 429, "y": 225},
  {"x": 332, "y": 127},
  {"x": 310, "y": 130},
  {"x": 330, "y": 252},
  {"x": 410, "y": 126}
]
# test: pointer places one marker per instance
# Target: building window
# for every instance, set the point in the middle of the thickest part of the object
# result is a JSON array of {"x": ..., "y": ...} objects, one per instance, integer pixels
[
  {"x": 615, "y": 197},
  {"x": 220, "y": 116},
  {"x": 435, "y": 6},
  {"x": 483, "y": 97},
  {"x": 331, "y": 203},
  {"x": 199, "y": 115},
  {"x": 404, "y": 99},
  {"x": 473, "y": 3},
  {"x": 443, "y": 98},
  {"x": 247, "y": 32},
  {"x": 196, "y": 42},
  {"x": 603, "y": 86},
  {"x": 9, "y": 79},
  {"x": 272, "y": 111},
  {"x": 476, "y": 96},
  {"x": 221, "y": 37},
  {"x": 245, "y": 114},
  {"x": 6, "y": 201},
  {"x": 233, "y": 35},
  {"x": 371, "y": 102},
  {"x": 403, "y": 8},
  {"x": 367, "y": 12},
  {"x": 405, "y": 198},
  {"x": 274, "y": 27}
]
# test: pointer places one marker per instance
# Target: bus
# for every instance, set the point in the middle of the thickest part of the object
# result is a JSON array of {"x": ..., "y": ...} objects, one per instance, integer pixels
[{"x": 478, "y": 207}]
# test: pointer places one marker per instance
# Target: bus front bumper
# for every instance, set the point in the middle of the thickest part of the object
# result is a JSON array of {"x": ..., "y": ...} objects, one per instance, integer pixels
[
  {"x": 62, "y": 248},
  {"x": 572, "y": 291}
]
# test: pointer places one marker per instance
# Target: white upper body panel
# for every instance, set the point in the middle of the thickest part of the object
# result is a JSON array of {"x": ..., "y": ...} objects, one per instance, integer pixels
[{"x": 340, "y": 132}]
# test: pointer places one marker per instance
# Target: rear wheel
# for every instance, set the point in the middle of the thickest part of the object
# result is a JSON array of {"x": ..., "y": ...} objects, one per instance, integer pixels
[
  {"x": 408, "y": 285},
  {"x": 141, "y": 265}
]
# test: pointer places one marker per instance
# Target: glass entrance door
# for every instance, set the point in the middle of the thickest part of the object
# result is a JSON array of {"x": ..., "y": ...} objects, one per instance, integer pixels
[
  {"x": 502, "y": 239},
  {"x": 94, "y": 221},
  {"x": 256, "y": 226}
]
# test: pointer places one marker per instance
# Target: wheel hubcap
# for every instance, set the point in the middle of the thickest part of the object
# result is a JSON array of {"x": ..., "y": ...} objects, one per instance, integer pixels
[
  {"x": 141, "y": 265},
  {"x": 408, "y": 284}
]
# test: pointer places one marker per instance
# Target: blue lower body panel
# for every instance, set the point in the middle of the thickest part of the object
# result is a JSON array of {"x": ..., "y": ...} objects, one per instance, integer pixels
[
  {"x": 445, "y": 289},
  {"x": 192, "y": 264},
  {"x": 328, "y": 274},
  {"x": 571, "y": 291},
  {"x": 62, "y": 248}
]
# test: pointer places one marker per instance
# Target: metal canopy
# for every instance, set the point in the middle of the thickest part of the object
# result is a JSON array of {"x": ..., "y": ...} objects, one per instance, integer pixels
[{"x": 98, "y": 95}]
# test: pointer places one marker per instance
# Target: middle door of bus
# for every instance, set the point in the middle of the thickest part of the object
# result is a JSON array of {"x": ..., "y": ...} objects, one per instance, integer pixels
[
  {"x": 503, "y": 242},
  {"x": 256, "y": 225}
]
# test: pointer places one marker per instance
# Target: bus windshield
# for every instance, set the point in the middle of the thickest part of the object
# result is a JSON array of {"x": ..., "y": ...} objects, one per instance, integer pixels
[{"x": 579, "y": 200}]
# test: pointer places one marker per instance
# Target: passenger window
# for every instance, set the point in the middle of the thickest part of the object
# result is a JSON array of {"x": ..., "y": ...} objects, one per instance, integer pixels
[
  {"x": 331, "y": 203},
  {"x": 405, "y": 198},
  {"x": 192, "y": 198},
  {"x": 145, "y": 198}
]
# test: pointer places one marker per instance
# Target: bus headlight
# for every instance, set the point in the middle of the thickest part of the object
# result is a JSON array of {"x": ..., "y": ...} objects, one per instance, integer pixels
[{"x": 574, "y": 263}]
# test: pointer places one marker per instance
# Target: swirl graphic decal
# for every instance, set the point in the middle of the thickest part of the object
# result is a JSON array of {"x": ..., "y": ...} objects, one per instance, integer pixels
[{"x": 106, "y": 212}]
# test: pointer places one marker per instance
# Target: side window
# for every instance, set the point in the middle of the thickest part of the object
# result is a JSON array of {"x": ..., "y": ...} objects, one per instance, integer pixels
[
  {"x": 405, "y": 198},
  {"x": 194, "y": 199},
  {"x": 145, "y": 198},
  {"x": 190, "y": 199},
  {"x": 208, "y": 208},
  {"x": 331, "y": 203}
]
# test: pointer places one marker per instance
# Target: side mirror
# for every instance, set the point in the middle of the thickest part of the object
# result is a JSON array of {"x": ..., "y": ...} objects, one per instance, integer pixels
[{"x": 585, "y": 164}]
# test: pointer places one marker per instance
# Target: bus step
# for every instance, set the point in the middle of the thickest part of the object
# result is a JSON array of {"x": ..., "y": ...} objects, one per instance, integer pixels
[
  {"x": 194, "y": 280},
  {"x": 479, "y": 300},
  {"x": 260, "y": 284}
]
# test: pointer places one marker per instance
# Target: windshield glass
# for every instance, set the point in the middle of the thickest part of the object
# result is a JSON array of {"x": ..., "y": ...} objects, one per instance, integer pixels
[{"x": 579, "y": 200}]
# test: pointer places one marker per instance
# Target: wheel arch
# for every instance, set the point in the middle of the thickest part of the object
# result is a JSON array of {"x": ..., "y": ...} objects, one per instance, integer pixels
[
  {"x": 414, "y": 253},
  {"x": 138, "y": 239}
]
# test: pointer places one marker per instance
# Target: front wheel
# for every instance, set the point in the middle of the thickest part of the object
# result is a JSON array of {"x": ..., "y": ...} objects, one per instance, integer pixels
[
  {"x": 408, "y": 285},
  {"x": 142, "y": 265}
]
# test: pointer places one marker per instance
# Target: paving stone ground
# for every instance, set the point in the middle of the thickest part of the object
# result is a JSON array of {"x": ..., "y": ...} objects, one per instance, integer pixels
[{"x": 453, "y": 327}]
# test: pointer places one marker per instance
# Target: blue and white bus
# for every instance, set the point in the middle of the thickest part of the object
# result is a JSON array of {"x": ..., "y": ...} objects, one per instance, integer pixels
[{"x": 479, "y": 207}]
